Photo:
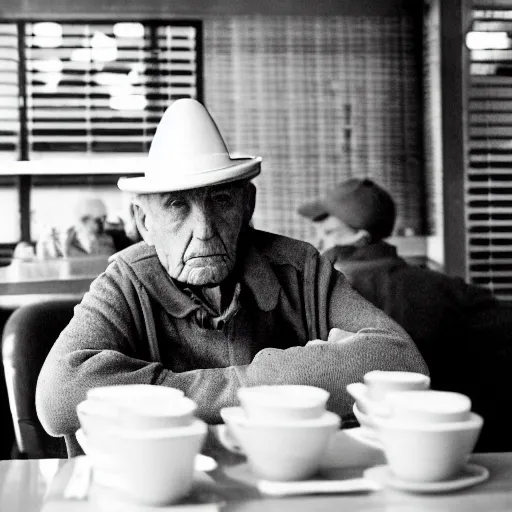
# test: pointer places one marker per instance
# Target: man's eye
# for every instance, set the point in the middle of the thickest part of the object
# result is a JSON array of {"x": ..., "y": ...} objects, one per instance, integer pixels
[
  {"x": 176, "y": 204},
  {"x": 222, "y": 198}
]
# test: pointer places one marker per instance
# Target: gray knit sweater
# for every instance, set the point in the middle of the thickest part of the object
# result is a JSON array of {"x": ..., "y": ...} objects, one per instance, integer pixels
[{"x": 136, "y": 326}]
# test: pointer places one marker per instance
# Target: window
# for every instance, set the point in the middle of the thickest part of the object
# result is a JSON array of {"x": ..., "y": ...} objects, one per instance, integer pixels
[
  {"x": 88, "y": 90},
  {"x": 488, "y": 177},
  {"x": 9, "y": 132}
]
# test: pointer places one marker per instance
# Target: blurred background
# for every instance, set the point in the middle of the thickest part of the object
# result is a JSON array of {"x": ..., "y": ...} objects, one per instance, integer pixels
[{"x": 413, "y": 94}]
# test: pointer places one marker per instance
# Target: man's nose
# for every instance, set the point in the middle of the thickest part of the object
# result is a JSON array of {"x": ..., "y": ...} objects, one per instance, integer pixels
[{"x": 204, "y": 227}]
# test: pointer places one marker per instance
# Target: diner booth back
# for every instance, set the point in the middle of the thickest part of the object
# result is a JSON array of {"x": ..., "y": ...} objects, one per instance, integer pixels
[{"x": 28, "y": 336}]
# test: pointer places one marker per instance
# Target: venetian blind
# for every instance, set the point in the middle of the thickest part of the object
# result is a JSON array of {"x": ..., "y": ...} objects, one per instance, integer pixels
[
  {"x": 102, "y": 87},
  {"x": 9, "y": 92},
  {"x": 489, "y": 175},
  {"x": 9, "y": 134}
]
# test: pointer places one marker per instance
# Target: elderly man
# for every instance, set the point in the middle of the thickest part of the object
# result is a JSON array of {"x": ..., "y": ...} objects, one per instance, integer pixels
[{"x": 206, "y": 303}]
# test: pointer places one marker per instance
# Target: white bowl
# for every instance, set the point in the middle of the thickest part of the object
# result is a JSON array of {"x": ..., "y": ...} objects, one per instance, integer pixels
[
  {"x": 429, "y": 452},
  {"x": 429, "y": 406},
  {"x": 95, "y": 415},
  {"x": 157, "y": 413},
  {"x": 150, "y": 413},
  {"x": 364, "y": 420},
  {"x": 278, "y": 450},
  {"x": 132, "y": 392},
  {"x": 153, "y": 467},
  {"x": 379, "y": 383},
  {"x": 283, "y": 402}
]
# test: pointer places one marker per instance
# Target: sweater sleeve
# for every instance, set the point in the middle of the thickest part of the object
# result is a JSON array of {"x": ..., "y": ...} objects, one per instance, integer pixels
[
  {"x": 371, "y": 341},
  {"x": 98, "y": 348}
]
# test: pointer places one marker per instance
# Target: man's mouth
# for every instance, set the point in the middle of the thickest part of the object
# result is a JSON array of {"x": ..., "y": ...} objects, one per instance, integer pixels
[{"x": 205, "y": 259}]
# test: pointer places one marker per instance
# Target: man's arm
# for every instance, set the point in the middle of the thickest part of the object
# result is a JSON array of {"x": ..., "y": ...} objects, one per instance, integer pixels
[{"x": 99, "y": 348}]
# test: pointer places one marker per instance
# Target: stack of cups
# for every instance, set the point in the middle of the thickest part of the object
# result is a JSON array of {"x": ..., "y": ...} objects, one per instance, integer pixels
[
  {"x": 426, "y": 435},
  {"x": 283, "y": 430},
  {"x": 142, "y": 440}
]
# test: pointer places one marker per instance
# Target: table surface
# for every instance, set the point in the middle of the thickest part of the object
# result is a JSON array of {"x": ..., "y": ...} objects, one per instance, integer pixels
[
  {"x": 25, "y": 486},
  {"x": 27, "y": 282}
]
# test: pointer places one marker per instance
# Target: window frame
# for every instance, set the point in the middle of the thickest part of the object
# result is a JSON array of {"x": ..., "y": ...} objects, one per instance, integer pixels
[{"x": 25, "y": 182}]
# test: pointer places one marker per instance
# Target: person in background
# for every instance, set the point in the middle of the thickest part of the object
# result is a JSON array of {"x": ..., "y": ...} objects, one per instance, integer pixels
[
  {"x": 124, "y": 232},
  {"x": 446, "y": 317},
  {"x": 86, "y": 236},
  {"x": 208, "y": 304}
]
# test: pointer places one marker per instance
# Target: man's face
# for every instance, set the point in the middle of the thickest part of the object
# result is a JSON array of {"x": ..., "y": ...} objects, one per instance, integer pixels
[
  {"x": 195, "y": 232},
  {"x": 93, "y": 226},
  {"x": 331, "y": 231}
]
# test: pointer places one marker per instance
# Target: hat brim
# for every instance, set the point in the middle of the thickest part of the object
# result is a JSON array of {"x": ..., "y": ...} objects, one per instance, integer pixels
[
  {"x": 313, "y": 210},
  {"x": 242, "y": 168}
]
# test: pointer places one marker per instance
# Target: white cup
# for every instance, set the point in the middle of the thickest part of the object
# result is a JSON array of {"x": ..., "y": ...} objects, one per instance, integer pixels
[
  {"x": 429, "y": 406},
  {"x": 379, "y": 383},
  {"x": 137, "y": 406},
  {"x": 151, "y": 467},
  {"x": 428, "y": 452},
  {"x": 283, "y": 402},
  {"x": 131, "y": 392},
  {"x": 278, "y": 450},
  {"x": 370, "y": 396},
  {"x": 96, "y": 416},
  {"x": 157, "y": 413}
]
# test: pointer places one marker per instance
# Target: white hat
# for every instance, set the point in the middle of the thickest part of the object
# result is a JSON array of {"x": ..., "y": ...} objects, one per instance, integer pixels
[{"x": 187, "y": 152}]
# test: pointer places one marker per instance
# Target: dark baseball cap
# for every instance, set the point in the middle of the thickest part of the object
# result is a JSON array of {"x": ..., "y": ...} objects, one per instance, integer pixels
[{"x": 359, "y": 203}]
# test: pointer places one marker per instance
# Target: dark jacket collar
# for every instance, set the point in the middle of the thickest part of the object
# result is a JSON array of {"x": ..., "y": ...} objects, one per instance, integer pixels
[
  {"x": 257, "y": 276},
  {"x": 379, "y": 250}
]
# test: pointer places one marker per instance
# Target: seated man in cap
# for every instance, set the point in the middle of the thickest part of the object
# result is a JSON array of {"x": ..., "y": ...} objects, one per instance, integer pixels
[
  {"x": 208, "y": 304},
  {"x": 446, "y": 317}
]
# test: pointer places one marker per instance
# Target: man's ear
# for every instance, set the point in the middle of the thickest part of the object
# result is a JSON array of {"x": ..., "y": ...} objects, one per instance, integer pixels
[
  {"x": 142, "y": 221},
  {"x": 250, "y": 201}
]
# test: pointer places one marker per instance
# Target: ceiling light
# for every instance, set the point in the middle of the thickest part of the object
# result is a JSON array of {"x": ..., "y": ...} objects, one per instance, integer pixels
[
  {"x": 47, "y": 35},
  {"x": 81, "y": 55},
  {"x": 128, "y": 102},
  {"x": 134, "y": 30},
  {"x": 103, "y": 48},
  {"x": 488, "y": 41}
]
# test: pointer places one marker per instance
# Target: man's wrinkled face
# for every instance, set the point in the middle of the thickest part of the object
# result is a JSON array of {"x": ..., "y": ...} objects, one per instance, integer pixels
[{"x": 195, "y": 232}]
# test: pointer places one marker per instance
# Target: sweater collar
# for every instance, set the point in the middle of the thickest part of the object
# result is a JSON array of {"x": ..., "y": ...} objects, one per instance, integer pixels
[{"x": 257, "y": 277}]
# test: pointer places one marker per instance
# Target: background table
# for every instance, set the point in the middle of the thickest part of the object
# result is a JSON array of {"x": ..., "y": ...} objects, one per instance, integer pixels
[
  {"x": 24, "y": 483},
  {"x": 26, "y": 282}
]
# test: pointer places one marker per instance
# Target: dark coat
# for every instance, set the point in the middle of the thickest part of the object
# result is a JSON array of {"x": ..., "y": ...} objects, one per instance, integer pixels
[{"x": 463, "y": 332}]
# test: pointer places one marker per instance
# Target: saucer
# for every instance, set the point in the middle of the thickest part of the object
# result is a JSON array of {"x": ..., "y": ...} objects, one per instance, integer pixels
[
  {"x": 203, "y": 497},
  {"x": 470, "y": 475}
]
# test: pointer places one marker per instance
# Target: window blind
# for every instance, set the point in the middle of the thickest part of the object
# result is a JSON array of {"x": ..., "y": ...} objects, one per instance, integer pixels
[
  {"x": 9, "y": 133},
  {"x": 102, "y": 87},
  {"x": 9, "y": 91},
  {"x": 489, "y": 174}
]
